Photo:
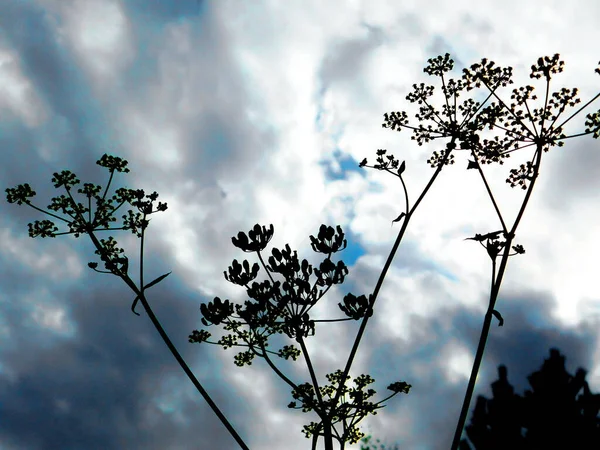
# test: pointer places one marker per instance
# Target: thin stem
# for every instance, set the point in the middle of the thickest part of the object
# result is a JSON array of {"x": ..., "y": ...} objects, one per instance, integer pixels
[
  {"x": 142, "y": 257},
  {"x": 168, "y": 342},
  {"x": 517, "y": 118},
  {"x": 545, "y": 110},
  {"x": 485, "y": 330},
  {"x": 311, "y": 369},
  {"x": 363, "y": 324},
  {"x": 190, "y": 375},
  {"x": 579, "y": 110},
  {"x": 487, "y": 187},
  {"x": 176, "y": 354},
  {"x": 585, "y": 133},
  {"x": 326, "y": 423},
  {"x": 531, "y": 117},
  {"x": 275, "y": 368},
  {"x": 489, "y": 314}
]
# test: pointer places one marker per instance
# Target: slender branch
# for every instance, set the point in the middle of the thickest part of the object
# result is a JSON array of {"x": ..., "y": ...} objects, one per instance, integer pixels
[
  {"x": 585, "y": 133},
  {"x": 487, "y": 187},
  {"x": 579, "y": 110},
  {"x": 517, "y": 118},
  {"x": 275, "y": 368},
  {"x": 489, "y": 314},
  {"x": 326, "y": 414},
  {"x": 363, "y": 324},
  {"x": 168, "y": 342}
]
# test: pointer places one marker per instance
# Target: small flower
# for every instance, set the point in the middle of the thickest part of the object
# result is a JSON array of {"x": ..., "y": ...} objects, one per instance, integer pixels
[
  {"x": 258, "y": 239},
  {"x": 356, "y": 307},
  {"x": 244, "y": 358},
  {"x": 547, "y": 66},
  {"x": 66, "y": 178},
  {"x": 592, "y": 124},
  {"x": 440, "y": 65},
  {"x": 20, "y": 194},
  {"x": 519, "y": 249},
  {"x": 113, "y": 163},
  {"x": 216, "y": 311},
  {"x": 326, "y": 242},
  {"x": 289, "y": 351},
  {"x": 400, "y": 386},
  {"x": 238, "y": 277},
  {"x": 198, "y": 336},
  {"x": 90, "y": 190},
  {"x": 330, "y": 274},
  {"x": 44, "y": 228}
]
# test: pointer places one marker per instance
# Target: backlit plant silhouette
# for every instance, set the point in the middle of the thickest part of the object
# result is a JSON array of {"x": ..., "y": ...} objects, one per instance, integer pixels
[
  {"x": 277, "y": 312},
  {"x": 521, "y": 126},
  {"x": 284, "y": 308}
]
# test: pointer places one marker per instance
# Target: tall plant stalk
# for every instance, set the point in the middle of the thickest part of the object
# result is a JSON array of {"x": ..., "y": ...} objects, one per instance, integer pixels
[{"x": 283, "y": 308}]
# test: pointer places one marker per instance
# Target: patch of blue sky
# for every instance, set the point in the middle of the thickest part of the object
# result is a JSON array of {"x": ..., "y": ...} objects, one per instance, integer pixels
[
  {"x": 354, "y": 250},
  {"x": 341, "y": 166},
  {"x": 338, "y": 169}
]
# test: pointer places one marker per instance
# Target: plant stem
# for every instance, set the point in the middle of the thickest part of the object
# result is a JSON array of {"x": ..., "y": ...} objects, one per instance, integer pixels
[
  {"x": 175, "y": 353},
  {"x": 190, "y": 375},
  {"x": 485, "y": 330},
  {"x": 386, "y": 266}
]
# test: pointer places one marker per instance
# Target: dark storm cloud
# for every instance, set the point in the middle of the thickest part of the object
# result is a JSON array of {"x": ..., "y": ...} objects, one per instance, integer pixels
[
  {"x": 98, "y": 388},
  {"x": 55, "y": 76},
  {"x": 95, "y": 390}
]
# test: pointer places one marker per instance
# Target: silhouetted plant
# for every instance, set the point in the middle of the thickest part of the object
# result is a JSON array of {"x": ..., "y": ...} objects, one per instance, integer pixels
[
  {"x": 521, "y": 126},
  {"x": 288, "y": 312},
  {"x": 277, "y": 312},
  {"x": 109, "y": 253},
  {"x": 553, "y": 414}
]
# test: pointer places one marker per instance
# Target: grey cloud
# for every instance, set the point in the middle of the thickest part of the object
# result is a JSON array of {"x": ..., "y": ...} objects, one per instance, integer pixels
[{"x": 345, "y": 59}]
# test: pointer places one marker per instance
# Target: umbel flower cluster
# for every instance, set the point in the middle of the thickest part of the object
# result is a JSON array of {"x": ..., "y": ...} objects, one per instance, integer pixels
[{"x": 284, "y": 308}]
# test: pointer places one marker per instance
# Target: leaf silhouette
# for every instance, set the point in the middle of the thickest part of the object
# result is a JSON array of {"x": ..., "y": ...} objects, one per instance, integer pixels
[
  {"x": 498, "y": 316},
  {"x": 399, "y": 218},
  {"x": 402, "y": 168},
  {"x": 152, "y": 283},
  {"x": 158, "y": 280}
]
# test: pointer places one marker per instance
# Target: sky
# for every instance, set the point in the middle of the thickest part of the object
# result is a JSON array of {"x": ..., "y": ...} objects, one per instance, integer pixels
[{"x": 239, "y": 113}]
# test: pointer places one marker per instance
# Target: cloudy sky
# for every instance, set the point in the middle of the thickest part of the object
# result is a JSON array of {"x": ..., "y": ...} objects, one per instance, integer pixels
[{"x": 238, "y": 113}]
